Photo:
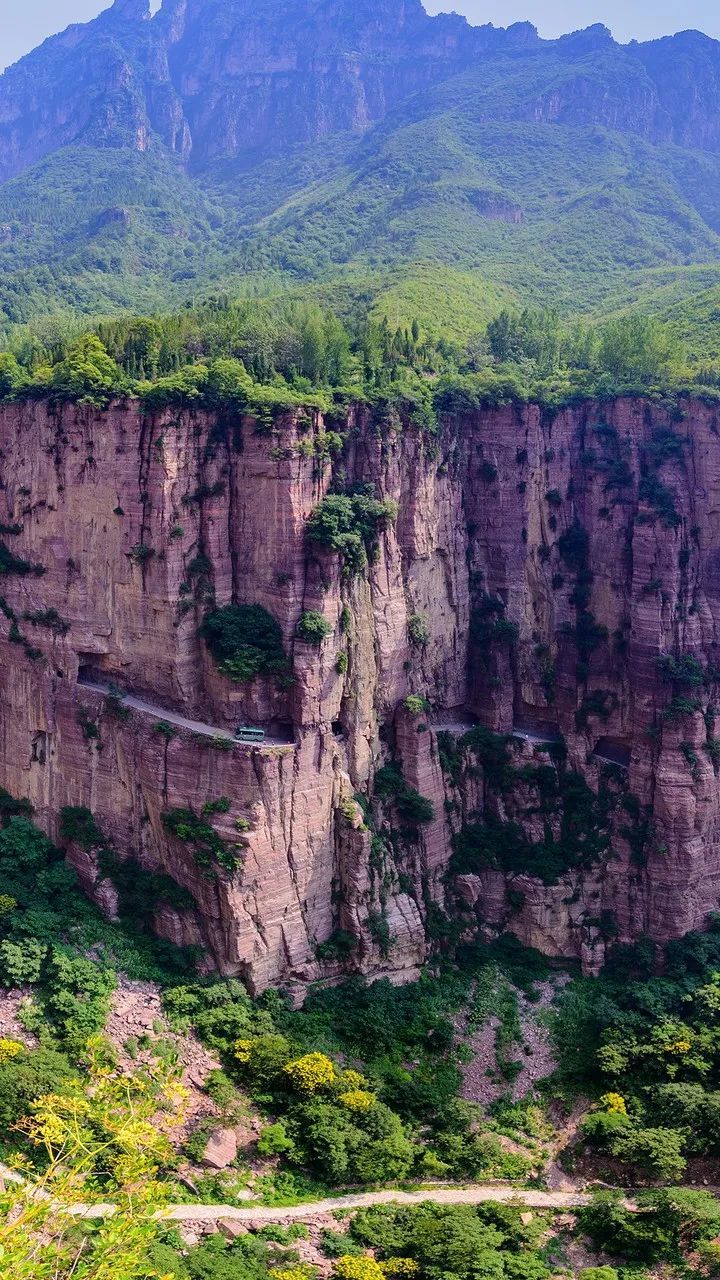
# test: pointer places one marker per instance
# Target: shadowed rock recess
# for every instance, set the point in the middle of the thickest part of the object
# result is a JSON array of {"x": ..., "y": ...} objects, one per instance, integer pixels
[{"x": 552, "y": 573}]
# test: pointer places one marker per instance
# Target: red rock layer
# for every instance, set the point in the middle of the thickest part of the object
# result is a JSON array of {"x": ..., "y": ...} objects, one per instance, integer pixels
[{"x": 220, "y": 509}]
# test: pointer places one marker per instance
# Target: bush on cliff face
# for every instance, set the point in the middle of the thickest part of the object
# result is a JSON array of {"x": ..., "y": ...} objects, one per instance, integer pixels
[
  {"x": 412, "y": 807},
  {"x": 351, "y": 525},
  {"x": 313, "y": 628},
  {"x": 245, "y": 641}
]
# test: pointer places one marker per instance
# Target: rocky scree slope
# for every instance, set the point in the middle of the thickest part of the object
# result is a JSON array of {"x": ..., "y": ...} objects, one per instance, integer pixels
[{"x": 556, "y": 574}]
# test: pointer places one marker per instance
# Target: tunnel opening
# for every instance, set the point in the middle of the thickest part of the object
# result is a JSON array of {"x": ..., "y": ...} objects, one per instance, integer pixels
[{"x": 612, "y": 751}]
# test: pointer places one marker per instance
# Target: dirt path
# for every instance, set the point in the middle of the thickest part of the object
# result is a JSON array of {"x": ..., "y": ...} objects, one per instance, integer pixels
[
  {"x": 207, "y": 1214},
  {"x": 440, "y": 1195}
]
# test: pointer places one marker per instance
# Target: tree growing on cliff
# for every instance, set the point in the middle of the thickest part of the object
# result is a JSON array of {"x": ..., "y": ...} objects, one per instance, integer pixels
[
  {"x": 245, "y": 641},
  {"x": 637, "y": 350},
  {"x": 87, "y": 373},
  {"x": 351, "y": 524}
]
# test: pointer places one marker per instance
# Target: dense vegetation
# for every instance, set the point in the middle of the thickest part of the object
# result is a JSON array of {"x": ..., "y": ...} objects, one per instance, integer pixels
[
  {"x": 647, "y": 1046},
  {"x": 246, "y": 641},
  {"x": 463, "y": 201},
  {"x": 263, "y": 359},
  {"x": 378, "y": 1123},
  {"x": 340, "y": 1107}
]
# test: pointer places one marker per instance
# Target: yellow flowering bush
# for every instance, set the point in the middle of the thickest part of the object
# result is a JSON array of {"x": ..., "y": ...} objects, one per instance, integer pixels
[
  {"x": 300, "y": 1272},
  {"x": 614, "y": 1102},
  {"x": 311, "y": 1073},
  {"x": 104, "y": 1144},
  {"x": 679, "y": 1047},
  {"x": 358, "y": 1100},
  {"x": 400, "y": 1267},
  {"x": 243, "y": 1050},
  {"x": 362, "y": 1267},
  {"x": 9, "y": 1049}
]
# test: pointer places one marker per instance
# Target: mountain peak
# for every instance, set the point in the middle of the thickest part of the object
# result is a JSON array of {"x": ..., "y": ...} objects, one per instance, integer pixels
[
  {"x": 131, "y": 10},
  {"x": 597, "y": 36}
]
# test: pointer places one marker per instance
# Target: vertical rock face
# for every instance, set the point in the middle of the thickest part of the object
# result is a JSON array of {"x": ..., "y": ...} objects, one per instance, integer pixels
[{"x": 552, "y": 575}]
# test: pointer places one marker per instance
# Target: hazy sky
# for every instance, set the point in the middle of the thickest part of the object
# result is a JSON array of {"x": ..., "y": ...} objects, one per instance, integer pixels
[{"x": 27, "y": 22}]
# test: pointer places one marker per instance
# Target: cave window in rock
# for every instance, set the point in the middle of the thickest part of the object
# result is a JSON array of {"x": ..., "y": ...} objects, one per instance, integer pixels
[{"x": 39, "y": 749}]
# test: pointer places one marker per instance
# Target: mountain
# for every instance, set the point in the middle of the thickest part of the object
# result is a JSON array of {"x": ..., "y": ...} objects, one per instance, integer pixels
[{"x": 362, "y": 151}]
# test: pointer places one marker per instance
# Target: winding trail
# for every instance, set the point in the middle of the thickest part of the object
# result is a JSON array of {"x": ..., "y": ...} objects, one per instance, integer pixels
[
  {"x": 213, "y": 1214},
  {"x": 250, "y": 1213},
  {"x": 439, "y": 1195}
]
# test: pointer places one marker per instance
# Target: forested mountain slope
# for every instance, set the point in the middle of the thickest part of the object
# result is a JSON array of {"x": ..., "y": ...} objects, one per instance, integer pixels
[{"x": 366, "y": 152}]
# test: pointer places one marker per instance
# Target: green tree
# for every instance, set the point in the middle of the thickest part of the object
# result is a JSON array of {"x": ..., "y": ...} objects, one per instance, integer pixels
[
  {"x": 313, "y": 628},
  {"x": 228, "y": 383},
  {"x": 637, "y": 350},
  {"x": 87, "y": 372},
  {"x": 12, "y": 376},
  {"x": 245, "y": 641}
]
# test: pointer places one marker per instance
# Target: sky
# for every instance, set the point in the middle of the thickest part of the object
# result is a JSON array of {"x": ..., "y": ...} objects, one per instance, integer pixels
[{"x": 30, "y": 21}]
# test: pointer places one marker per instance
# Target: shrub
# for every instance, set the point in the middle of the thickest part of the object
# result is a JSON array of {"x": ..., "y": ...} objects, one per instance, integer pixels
[
  {"x": 9, "y": 1049},
  {"x": 339, "y": 946},
  {"x": 659, "y": 1152},
  {"x": 49, "y": 618},
  {"x": 574, "y": 546},
  {"x": 263, "y": 1058},
  {"x": 313, "y": 628},
  {"x": 311, "y": 1073},
  {"x": 78, "y": 826},
  {"x": 684, "y": 669},
  {"x": 28, "y": 1075},
  {"x": 274, "y": 1141},
  {"x": 670, "y": 1223},
  {"x": 411, "y": 806},
  {"x": 353, "y": 1267},
  {"x": 351, "y": 524},
  {"x": 418, "y": 630},
  {"x": 354, "y": 1099},
  {"x": 11, "y": 565},
  {"x": 458, "y": 1240},
  {"x": 416, "y": 705},
  {"x": 208, "y": 847},
  {"x": 245, "y": 641}
]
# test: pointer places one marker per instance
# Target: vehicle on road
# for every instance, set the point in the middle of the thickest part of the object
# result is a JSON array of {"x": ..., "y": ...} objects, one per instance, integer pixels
[{"x": 246, "y": 733}]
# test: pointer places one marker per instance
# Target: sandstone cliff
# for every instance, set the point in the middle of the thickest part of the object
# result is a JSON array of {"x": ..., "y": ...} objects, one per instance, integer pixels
[{"x": 556, "y": 575}]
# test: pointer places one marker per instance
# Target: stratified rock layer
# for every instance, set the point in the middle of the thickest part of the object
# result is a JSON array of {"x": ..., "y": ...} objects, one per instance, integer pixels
[{"x": 590, "y": 536}]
